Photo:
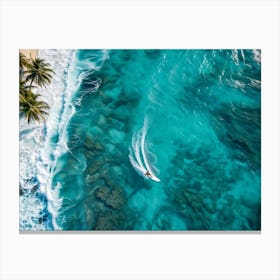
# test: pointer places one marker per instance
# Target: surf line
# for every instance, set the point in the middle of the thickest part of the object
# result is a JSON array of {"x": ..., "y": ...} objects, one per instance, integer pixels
[{"x": 138, "y": 157}]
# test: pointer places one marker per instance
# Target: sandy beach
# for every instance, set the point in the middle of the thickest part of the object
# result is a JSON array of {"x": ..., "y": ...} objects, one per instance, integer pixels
[{"x": 30, "y": 53}]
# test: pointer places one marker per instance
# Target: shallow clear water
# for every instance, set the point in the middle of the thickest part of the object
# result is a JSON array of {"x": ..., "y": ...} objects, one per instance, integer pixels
[{"x": 191, "y": 117}]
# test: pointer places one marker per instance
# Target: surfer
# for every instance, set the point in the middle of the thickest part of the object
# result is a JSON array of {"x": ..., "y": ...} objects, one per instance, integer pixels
[{"x": 148, "y": 174}]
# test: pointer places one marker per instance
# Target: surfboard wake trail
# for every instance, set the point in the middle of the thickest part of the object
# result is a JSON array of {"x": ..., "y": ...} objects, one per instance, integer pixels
[{"x": 137, "y": 154}]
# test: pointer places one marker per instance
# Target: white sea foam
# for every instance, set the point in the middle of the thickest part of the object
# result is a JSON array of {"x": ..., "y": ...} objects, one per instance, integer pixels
[
  {"x": 30, "y": 205},
  {"x": 30, "y": 208},
  {"x": 257, "y": 56},
  {"x": 235, "y": 57},
  {"x": 61, "y": 92}
]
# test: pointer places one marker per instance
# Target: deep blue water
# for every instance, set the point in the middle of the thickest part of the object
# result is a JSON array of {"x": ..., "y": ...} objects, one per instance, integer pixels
[{"x": 190, "y": 117}]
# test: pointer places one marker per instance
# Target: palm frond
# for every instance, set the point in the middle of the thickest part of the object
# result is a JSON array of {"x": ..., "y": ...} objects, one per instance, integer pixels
[
  {"x": 39, "y": 72},
  {"x": 32, "y": 108}
]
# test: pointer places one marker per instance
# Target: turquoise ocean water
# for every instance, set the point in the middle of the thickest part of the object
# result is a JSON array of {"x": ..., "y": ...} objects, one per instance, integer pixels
[{"x": 190, "y": 117}]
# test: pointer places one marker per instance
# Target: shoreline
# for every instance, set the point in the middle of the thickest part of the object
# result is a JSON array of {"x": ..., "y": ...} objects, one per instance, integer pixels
[
  {"x": 32, "y": 141},
  {"x": 36, "y": 144}
]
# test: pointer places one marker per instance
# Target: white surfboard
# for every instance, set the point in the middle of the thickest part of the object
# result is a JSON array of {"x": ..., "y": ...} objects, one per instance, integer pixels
[{"x": 154, "y": 178}]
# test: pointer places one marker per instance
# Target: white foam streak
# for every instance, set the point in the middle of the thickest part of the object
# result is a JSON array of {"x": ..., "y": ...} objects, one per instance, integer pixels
[
  {"x": 136, "y": 165},
  {"x": 243, "y": 56},
  {"x": 135, "y": 144},
  {"x": 235, "y": 57},
  {"x": 94, "y": 62},
  {"x": 138, "y": 150},
  {"x": 144, "y": 132},
  {"x": 257, "y": 56}
]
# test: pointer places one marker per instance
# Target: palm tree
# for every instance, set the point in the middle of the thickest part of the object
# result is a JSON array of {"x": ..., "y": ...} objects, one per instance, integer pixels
[
  {"x": 31, "y": 71},
  {"x": 32, "y": 108},
  {"x": 24, "y": 63},
  {"x": 23, "y": 89},
  {"x": 39, "y": 72}
]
